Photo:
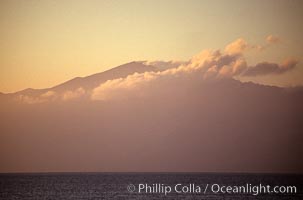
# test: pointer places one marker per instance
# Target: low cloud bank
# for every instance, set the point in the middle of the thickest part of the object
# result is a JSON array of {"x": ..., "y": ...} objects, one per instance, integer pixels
[
  {"x": 207, "y": 65},
  {"x": 266, "y": 68}
]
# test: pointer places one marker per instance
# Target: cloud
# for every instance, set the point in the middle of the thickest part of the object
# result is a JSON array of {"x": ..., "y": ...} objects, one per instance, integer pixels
[
  {"x": 207, "y": 65},
  {"x": 236, "y": 47},
  {"x": 45, "y": 97},
  {"x": 272, "y": 39},
  {"x": 265, "y": 68},
  {"x": 163, "y": 65},
  {"x": 70, "y": 95},
  {"x": 118, "y": 87},
  {"x": 235, "y": 69},
  {"x": 51, "y": 96},
  {"x": 259, "y": 47},
  {"x": 28, "y": 99}
]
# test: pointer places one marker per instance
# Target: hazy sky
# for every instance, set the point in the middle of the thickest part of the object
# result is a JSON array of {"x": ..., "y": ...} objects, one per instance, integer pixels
[{"x": 43, "y": 43}]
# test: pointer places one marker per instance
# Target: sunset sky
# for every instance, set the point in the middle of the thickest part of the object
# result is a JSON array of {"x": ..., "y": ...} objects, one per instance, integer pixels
[{"x": 44, "y": 43}]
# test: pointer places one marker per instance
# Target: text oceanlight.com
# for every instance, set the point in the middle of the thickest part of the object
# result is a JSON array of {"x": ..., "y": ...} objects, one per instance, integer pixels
[{"x": 159, "y": 188}]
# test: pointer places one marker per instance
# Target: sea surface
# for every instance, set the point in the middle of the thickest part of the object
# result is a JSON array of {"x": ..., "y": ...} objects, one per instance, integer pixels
[{"x": 126, "y": 186}]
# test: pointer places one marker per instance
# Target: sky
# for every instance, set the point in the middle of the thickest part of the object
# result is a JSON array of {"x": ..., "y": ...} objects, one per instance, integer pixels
[{"x": 44, "y": 43}]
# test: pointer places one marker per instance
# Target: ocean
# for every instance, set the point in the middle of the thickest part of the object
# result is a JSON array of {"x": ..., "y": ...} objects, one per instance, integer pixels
[{"x": 150, "y": 186}]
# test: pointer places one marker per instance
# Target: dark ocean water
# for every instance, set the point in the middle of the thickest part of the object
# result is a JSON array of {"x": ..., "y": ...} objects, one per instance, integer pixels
[{"x": 116, "y": 185}]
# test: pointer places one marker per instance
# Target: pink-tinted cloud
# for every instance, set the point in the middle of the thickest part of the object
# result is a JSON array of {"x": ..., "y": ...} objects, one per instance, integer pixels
[
  {"x": 272, "y": 39},
  {"x": 236, "y": 47},
  {"x": 208, "y": 64},
  {"x": 265, "y": 68}
]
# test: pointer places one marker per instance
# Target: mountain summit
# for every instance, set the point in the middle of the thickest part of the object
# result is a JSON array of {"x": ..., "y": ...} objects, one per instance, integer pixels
[{"x": 94, "y": 80}]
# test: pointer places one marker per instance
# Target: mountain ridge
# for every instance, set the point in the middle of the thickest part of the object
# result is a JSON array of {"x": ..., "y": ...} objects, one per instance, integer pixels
[{"x": 93, "y": 80}]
